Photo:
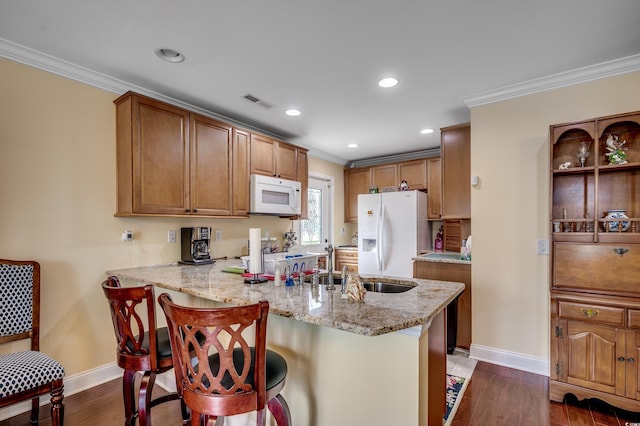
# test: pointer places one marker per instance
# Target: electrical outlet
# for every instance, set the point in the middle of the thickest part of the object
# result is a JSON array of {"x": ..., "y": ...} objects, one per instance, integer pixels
[
  {"x": 218, "y": 235},
  {"x": 127, "y": 236},
  {"x": 543, "y": 246},
  {"x": 171, "y": 236}
]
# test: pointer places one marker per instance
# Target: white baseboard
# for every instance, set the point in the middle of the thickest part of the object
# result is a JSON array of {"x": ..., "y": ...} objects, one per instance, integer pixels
[{"x": 510, "y": 359}]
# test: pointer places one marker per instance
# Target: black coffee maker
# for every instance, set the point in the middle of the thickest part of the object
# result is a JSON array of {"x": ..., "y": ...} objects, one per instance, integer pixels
[{"x": 196, "y": 243}]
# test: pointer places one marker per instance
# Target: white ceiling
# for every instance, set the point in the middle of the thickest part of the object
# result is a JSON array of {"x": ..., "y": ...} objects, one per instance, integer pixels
[{"x": 325, "y": 57}]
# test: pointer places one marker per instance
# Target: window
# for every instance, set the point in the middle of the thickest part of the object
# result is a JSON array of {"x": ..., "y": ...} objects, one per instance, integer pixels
[
  {"x": 315, "y": 231},
  {"x": 311, "y": 228}
]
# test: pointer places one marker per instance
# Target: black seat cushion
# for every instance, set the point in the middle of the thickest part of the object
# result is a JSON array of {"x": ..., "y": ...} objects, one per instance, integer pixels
[
  {"x": 162, "y": 340},
  {"x": 276, "y": 369}
]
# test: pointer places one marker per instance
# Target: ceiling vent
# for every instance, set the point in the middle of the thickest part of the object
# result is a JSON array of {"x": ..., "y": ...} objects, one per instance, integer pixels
[{"x": 257, "y": 101}]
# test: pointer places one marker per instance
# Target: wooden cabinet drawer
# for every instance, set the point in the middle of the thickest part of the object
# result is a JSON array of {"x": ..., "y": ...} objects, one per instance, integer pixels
[
  {"x": 347, "y": 255},
  {"x": 634, "y": 318},
  {"x": 590, "y": 312},
  {"x": 607, "y": 268}
]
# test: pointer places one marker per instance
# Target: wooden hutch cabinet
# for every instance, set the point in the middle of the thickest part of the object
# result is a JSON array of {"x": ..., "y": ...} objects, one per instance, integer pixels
[{"x": 595, "y": 261}]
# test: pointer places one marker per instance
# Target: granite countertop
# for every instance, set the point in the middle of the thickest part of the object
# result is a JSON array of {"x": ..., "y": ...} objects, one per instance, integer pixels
[
  {"x": 347, "y": 247},
  {"x": 442, "y": 257},
  {"x": 379, "y": 314}
]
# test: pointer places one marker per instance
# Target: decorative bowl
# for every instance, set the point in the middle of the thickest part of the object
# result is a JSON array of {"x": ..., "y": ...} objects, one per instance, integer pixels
[{"x": 613, "y": 224}]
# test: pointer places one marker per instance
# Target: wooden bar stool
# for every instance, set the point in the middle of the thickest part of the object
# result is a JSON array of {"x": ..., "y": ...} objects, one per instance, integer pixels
[
  {"x": 141, "y": 347},
  {"x": 217, "y": 372}
]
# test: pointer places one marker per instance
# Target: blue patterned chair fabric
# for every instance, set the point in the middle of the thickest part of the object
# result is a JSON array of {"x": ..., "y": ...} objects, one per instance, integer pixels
[{"x": 26, "y": 375}]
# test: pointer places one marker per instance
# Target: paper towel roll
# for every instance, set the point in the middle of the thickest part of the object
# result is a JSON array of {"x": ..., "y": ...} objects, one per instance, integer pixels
[{"x": 255, "y": 257}]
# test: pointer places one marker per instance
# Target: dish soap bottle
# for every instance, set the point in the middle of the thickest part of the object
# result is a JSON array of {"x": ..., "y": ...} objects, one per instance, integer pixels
[
  {"x": 439, "y": 243},
  {"x": 288, "y": 281}
]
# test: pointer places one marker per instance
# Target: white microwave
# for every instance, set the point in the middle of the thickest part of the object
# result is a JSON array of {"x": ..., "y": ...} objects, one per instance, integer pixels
[{"x": 271, "y": 195}]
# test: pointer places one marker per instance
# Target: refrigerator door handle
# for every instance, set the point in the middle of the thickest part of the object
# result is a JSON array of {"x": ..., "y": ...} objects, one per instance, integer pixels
[{"x": 381, "y": 250}]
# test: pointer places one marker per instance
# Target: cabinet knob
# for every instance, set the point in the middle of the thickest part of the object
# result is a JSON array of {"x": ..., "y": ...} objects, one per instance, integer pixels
[
  {"x": 589, "y": 312},
  {"x": 631, "y": 360},
  {"x": 621, "y": 359},
  {"x": 186, "y": 210},
  {"x": 194, "y": 211}
]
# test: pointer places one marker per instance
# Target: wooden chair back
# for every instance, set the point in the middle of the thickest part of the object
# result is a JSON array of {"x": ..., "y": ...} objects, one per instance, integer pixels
[
  {"x": 20, "y": 301},
  {"x": 228, "y": 374},
  {"x": 134, "y": 321},
  {"x": 26, "y": 375}
]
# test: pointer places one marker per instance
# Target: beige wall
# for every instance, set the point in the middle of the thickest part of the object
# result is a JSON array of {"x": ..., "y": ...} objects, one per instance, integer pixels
[
  {"x": 57, "y": 185},
  {"x": 510, "y": 207}
]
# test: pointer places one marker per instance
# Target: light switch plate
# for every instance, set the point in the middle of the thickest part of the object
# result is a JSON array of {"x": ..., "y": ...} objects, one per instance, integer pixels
[
  {"x": 218, "y": 235},
  {"x": 543, "y": 246},
  {"x": 171, "y": 236}
]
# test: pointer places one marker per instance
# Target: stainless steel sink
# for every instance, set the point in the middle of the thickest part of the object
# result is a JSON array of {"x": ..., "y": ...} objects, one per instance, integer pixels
[
  {"x": 387, "y": 287},
  {"x": 378, "y": 286}
]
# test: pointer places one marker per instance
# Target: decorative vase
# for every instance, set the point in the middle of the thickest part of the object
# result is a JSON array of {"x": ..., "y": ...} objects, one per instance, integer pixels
[{"x": 614, "y": 224}]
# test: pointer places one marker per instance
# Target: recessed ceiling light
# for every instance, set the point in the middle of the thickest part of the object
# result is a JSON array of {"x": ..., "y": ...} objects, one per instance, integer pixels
[
  {"x": 426, "y": 131},
  {"x": 352, "y": 145},
  {"x": 170, "y": 55},
  {"x": 293, "y": 112},
  {"x": 388, "y": 82}
]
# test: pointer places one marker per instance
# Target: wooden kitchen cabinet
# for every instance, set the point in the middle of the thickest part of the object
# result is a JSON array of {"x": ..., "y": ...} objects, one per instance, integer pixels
[
  {"x": 414, "y": 172},
  {"x": 152, "y": 156},
  {"x": 303, "y": 177},
  {"x": 174, "y": 162},
  {"x": 346, "y": 257},
  {"x": 392, "y": 175},
  {"x": 455, "y": 152},
  {"x": 240, "y": 167},
  {"x": 171, "y": 161},
  {"x": 434, "y": 189},
  {"x": 595, "y": 263},
  {"x": 270, "y": 157},
  {"x": 360, "y": 180},
  {"x": 456, "y": 272},
  {"x": 356, "y": 181},
  {"x": 210, "y": 180},
  {"x": 385, "y": 176}
]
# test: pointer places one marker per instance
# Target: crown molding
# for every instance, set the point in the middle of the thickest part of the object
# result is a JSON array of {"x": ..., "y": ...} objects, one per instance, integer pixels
[
  {"x": 568, "y": 78},
  {"x": 42, "y": 61}
]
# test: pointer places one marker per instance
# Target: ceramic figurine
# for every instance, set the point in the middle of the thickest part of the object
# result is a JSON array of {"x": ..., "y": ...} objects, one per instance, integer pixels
[
  {"x": 404, "y": 186},
  {"x": 617, "y": 153},
  {"x": 565, "y": 166}
]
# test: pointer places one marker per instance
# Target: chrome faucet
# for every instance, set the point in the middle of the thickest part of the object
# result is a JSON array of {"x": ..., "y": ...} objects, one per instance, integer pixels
[
  {"x": 344, "y": 279},
  {"x": 330, "y": 285}
]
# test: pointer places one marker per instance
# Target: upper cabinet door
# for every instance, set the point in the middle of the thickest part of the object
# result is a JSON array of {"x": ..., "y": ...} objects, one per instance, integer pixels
[
  {"x": 241, "y": 154},
  {"x": 270, "y": 157},
  {"x": 356, "y": 181},
  {"x": 434, "y": 188},
  {"x": 384, "y": 176},
  {"x": 153, "y": 156},
  {"x": 210, "y": 174},
  {"x": 455, "y": 152},
  {"x": 414, "y": 172},
  {"x": 263, "y": 155}
]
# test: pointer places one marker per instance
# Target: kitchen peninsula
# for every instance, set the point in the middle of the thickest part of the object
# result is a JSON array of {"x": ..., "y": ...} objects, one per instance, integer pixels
[{"x": 378, "y": 362}]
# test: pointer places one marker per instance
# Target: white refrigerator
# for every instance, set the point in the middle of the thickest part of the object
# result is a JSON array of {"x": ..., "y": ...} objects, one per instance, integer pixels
[{"x": 392, "y": 229}]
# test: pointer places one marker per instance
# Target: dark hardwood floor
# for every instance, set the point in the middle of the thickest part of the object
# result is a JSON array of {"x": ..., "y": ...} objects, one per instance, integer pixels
[
  {"x": 498, "y": 395},
  {"x": 495, "y": 396}
]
